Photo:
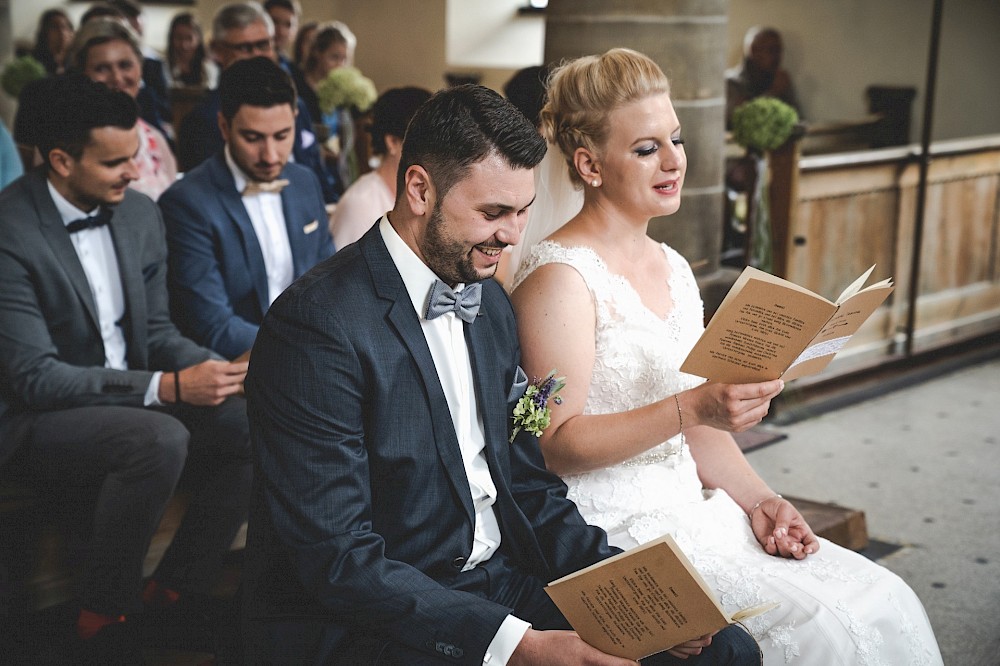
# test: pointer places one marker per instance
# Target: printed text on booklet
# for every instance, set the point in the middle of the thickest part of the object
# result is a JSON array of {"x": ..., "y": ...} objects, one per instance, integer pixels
[
  {"x": 768, "y": 328},
  {"x": 643, "y": 601}
]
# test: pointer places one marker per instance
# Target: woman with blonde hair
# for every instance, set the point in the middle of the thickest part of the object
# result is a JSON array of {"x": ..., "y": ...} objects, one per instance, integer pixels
[
  {"x": 107, "y": 51},
  {"x": 645, "y": 449}
]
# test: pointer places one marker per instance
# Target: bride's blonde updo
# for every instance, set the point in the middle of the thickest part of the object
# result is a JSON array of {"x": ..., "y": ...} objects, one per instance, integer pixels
[{"x": 582, "y": 92}]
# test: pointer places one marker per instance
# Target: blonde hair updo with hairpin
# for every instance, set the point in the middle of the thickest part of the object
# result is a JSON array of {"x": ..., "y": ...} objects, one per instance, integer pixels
[{"x": 583, "y": 92}]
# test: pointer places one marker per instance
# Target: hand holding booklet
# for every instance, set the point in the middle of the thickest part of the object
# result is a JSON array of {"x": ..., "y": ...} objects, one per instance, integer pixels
[
  {"x": 643, "y": 601},
  {"x": 769, "y": 328}
]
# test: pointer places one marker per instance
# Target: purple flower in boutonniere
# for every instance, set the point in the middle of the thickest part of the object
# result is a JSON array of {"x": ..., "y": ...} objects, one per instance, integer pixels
[{"x": 532, "y": 411}]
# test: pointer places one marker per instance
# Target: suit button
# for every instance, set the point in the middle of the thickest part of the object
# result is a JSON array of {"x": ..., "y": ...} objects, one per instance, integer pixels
[{"x": 458, "y": 563}]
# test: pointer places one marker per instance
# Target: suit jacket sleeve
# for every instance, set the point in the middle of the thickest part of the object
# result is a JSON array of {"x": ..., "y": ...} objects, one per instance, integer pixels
[
  {"x": 307, "y": 404},
  {"x": 50, "y": 355},
  {"x": 37, "y": 377},
  {"x": 201, "y": 302},
  {"x": 168, "y": 349}
]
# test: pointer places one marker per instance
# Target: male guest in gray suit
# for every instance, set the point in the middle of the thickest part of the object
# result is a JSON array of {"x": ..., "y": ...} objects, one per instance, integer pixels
[
  {"x": 97, "y": 387},
  {"x": 245, "y": 223},
  {"x": 393, "y": 520}
]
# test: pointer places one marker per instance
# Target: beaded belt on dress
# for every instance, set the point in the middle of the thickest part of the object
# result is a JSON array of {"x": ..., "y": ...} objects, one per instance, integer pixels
[{"x": 655, "y": 457}]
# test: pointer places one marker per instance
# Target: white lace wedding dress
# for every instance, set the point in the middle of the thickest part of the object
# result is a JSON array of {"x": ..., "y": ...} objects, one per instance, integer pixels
[{"x": 837, "y": 607}]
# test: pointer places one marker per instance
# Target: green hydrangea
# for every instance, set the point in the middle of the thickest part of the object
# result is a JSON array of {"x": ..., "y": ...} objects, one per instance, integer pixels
[
  {"x": 19, "y": 73},
  {"x": 763, "y": 123},
  {"x": 346, "y": 88}
]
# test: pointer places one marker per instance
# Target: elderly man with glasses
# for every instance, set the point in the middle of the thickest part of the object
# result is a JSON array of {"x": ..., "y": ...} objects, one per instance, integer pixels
[{"x": 240, "y": 31}]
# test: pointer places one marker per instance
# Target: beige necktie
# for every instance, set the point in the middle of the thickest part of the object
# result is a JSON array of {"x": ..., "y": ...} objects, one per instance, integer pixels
[{"x": 274, "y": 187}]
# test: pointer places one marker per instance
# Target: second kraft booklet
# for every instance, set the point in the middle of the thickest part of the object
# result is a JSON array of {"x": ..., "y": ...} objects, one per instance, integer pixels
[
  {"x": 769, "y": 328},
  {"x": 643, "y": 601}
]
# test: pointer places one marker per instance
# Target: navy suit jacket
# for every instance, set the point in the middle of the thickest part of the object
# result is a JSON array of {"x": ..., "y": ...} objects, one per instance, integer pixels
[
  {"x": 52, "y": 353},
  {"x": 217, "y": 279},
  {"x": 362, "y": 515}
]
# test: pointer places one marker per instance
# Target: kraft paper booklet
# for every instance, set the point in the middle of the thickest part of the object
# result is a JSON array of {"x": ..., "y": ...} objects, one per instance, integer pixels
[
  {"x": 768, "y": 327},
  {"x": 643, "y": 601}
]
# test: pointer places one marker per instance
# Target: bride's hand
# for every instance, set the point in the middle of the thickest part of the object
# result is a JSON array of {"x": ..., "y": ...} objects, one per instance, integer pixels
[
  {"x": 729, "y": 407},
  {"x": 781, "y": 529}
]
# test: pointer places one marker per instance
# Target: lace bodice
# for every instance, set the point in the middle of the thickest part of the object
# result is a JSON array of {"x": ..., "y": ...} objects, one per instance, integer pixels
[{"x": 637, "y": 353}]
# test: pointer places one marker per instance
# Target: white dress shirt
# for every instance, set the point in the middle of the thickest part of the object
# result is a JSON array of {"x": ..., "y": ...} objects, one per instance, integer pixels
[
  {"x": 446, "y": 339},
  {"x": 268, "y": 219},
  {"x": 96, "y": 252}
]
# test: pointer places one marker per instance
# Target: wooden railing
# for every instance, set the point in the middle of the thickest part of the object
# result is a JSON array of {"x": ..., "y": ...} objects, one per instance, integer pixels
[{"x": 835, "y": 215}]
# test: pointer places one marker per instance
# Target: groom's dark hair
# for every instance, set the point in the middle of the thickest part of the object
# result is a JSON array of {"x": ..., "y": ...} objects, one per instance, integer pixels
[{"x": 461, "y": 126}]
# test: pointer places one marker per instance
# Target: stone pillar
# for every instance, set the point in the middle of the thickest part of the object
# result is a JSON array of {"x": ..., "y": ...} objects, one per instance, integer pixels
[{"x": 688, "y": 39}]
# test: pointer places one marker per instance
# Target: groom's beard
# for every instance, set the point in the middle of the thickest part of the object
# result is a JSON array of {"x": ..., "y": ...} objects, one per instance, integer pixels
[{"x": 449, "y": 258}]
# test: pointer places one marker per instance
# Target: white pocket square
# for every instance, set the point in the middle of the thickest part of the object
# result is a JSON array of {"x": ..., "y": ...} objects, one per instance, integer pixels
[{"x": 311, "y": 227}]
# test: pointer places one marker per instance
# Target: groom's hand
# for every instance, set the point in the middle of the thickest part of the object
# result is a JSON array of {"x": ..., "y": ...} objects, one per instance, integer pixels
[
  {"x": 729, "y": 407},
  {"x": 558, "y": 648}
]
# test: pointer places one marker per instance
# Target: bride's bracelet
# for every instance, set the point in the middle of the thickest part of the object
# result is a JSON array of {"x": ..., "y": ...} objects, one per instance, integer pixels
[
  {"x": 757, "y": 505},
  {"x": 680, "y": 418}
]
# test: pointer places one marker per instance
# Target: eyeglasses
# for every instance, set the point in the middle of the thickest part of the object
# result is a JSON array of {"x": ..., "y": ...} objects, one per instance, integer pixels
[{"x": 249, "y": 48}]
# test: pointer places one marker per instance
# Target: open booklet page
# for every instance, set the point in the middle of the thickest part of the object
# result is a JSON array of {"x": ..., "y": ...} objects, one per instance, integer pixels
[
  {"x": 767, "y": 328},
  {"x": 643, "y": 601}
]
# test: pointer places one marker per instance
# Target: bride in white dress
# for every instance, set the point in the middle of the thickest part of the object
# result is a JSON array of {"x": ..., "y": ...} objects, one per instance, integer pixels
[{"x": 644, "y": 448}]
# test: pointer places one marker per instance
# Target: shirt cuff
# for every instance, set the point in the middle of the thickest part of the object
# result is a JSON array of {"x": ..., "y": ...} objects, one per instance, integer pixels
[
  {"x": 152, "y": 398},
  {"x": 506, "y": 640}
]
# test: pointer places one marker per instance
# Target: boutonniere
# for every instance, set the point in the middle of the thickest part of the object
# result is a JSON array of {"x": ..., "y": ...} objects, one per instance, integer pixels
[{"x": 532, "y": 411}]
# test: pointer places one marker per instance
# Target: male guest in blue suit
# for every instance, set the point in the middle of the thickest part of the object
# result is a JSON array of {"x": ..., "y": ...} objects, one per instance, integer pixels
[
  {"x": 394, "y": 521},
  {"x": 245, "y": 223},
  {"x": 241, "y": 31},
  {"x": 97, "y": 388}
]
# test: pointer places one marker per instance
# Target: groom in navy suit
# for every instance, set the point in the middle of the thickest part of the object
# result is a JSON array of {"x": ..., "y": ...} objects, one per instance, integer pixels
[
  {"x": 245, "y": 223},
  {"x": 394, "y": 520}
]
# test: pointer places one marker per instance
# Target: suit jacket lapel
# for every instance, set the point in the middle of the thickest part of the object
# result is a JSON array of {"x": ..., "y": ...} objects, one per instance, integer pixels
[
  {"x": 487, "y": 374},
  {"x": 134, "y": 289},
  {"x": 232, "y": 202},
  {"x": 293, "y": 226},
  {"x": 58, "y": 238},
  {"x": 389, "y": 286}
]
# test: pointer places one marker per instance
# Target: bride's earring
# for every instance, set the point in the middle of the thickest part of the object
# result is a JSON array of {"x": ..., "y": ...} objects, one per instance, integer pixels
[{"x": 595, "y": 183}]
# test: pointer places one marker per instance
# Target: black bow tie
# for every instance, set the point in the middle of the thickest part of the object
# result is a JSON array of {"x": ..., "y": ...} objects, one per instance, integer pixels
[
  {"x": 464, "y": 303},
  {"x": 92, "y": 222}
]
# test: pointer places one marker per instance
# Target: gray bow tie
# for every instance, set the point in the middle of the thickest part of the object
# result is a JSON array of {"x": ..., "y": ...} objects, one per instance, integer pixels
[{"x": 464, "y": 303}]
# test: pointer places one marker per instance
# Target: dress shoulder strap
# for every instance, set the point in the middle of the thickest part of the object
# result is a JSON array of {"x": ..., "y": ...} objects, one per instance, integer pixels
[{"x": 582, "y": 258}]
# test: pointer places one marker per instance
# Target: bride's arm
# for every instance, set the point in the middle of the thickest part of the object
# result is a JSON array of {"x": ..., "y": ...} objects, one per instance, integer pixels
[
  {"x": 556, "y": 320},
  {"x": 778, "y": 526}
]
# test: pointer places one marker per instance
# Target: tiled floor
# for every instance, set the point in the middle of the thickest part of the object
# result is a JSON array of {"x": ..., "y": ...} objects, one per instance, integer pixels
[{"x": 922, "y": 462}]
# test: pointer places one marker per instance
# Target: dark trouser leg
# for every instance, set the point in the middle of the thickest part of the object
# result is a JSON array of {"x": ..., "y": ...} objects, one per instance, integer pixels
[
  {"x": 136, "y": 456},
  {"x": 732, "y": 646},
  {"x": 219, "y": 470}
]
